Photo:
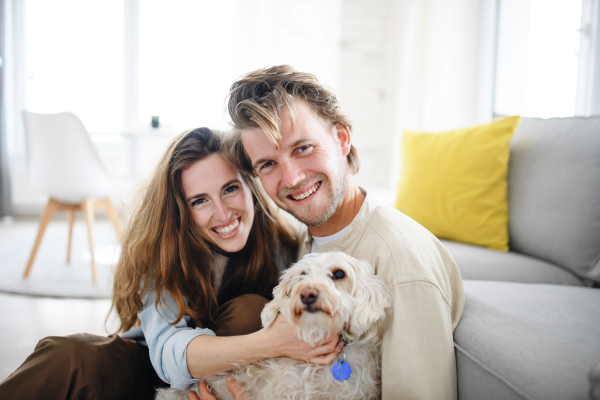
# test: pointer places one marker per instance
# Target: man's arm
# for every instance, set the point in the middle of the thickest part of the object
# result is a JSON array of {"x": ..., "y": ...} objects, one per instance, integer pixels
[{"x": 418, "y": 359}]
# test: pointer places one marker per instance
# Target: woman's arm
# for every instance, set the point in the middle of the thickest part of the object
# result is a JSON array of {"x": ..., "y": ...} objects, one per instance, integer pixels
[
  {"x": 181, "y": 355},
  {"x": 167, "y": 343},
  {"x": 213, "y": 354}
]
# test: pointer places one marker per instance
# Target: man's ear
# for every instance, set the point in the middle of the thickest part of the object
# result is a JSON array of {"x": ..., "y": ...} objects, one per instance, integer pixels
[{"x": 342, "y": 132}]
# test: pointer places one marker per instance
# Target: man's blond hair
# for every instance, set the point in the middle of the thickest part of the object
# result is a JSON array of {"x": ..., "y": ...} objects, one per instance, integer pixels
[{"x": 256, "y": 100}]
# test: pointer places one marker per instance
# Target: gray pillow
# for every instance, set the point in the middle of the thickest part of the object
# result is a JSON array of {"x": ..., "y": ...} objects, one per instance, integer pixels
[{"x": 554, "y": 192}]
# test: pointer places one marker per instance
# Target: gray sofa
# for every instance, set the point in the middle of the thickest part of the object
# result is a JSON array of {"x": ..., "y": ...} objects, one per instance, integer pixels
[{"x": 531, "y": 324}]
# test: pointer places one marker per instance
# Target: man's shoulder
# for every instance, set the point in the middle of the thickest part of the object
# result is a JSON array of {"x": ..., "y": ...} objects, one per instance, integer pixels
[
  {"x": 394, "y": 227},
  {"x": 400, "y": 248}
]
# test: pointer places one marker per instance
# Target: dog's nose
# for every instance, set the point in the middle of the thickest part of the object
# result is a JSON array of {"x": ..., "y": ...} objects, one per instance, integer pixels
[{"x": 308, "y": 296}]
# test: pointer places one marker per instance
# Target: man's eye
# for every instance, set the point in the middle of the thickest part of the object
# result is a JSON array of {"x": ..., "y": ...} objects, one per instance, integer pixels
[
  {"x": 302, "y": 149},
  {"x": 338, "y": 274},
  {"x": 267, "y": 164}
]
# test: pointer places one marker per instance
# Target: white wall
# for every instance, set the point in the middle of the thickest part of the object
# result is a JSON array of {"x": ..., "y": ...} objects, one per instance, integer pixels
[{"x": 366, "y": 89}]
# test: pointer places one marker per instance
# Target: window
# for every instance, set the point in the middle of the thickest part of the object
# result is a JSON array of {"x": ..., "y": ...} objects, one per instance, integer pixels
[
  {"x": 186, "y": 61},
  {"x": 183, "y": 61},
  {"x": 74, "y": 60},
  {"x": 537, "y": 57},
  {"x": 115, "y": 63}
]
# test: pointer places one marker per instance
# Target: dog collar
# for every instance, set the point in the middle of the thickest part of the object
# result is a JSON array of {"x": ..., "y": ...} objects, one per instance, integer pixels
[{"x": 342, "y": 370}]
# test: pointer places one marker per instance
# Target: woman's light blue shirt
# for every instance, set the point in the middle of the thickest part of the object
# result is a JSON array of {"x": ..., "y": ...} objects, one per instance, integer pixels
[{"x": 166, "y": 343}]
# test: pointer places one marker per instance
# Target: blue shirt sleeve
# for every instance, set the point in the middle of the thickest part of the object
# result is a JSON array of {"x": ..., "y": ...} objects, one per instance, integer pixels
[{"x": 168, "y": 343}]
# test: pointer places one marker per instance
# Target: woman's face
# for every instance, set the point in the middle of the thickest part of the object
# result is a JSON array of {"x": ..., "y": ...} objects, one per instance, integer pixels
[{"x": 219, "y": 201}]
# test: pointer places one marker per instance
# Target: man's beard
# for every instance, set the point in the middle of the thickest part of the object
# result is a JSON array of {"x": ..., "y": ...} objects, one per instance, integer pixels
[{"x": 337, "y": 194}]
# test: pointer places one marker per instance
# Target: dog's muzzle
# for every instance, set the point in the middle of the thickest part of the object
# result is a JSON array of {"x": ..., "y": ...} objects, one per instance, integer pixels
[{"x": 308, "y": 296}]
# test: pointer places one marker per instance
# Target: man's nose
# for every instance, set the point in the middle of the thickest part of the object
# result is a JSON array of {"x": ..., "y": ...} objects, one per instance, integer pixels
[
  {"x": 221, "y": 211},
  {"x": 291, "y": 174}
]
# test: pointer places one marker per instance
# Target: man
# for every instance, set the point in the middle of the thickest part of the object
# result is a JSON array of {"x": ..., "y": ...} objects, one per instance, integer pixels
[{"x": 289, "y": 131}]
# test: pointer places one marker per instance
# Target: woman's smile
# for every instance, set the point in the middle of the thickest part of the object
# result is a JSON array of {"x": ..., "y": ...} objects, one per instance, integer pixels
[{"x": 229, "y": 229}]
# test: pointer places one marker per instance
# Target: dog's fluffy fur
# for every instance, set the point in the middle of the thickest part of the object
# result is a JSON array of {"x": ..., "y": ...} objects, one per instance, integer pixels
[{"x": 351, "y": 305}]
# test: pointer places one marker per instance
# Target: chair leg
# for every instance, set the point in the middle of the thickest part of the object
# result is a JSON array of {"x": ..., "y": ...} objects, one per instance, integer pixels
[
  {"x": 70, "y": 220},
  {"x": 107, "y": 206},
  {"x": 51, "y": 207},
  {"x": 88, "y": 212}
]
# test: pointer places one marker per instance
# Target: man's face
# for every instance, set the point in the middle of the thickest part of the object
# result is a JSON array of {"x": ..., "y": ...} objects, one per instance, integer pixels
[{"x": 307, "y": 176}]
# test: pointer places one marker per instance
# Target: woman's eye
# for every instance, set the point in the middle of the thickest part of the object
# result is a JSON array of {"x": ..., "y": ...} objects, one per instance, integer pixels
[
  {"x": 231, "y": 189},
  {"x": 198, "y": 202},
  {"x": 338, "y": 274}
]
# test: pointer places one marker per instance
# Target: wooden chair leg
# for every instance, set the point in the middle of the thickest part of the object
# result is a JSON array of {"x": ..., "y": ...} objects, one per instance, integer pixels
[
  {"x": 70, "y": 220},
  {"x": 107, "y": 206},
  {"x": 51, "y": 207},
  {"x": 88, "y": 212}
]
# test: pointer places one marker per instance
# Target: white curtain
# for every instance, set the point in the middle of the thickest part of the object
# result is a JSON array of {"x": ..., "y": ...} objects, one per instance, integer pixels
[
  {"x": 445, "y": 59},
  {"x": 588, "y": 80},
  {"x": 440, "y": 63},
  {"x": 442, "y": 73},
  {"x": 304, "y": 34}
]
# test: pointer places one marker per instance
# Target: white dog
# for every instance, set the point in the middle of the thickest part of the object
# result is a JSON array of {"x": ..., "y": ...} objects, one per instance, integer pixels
[{"x": 320, "y": 294}]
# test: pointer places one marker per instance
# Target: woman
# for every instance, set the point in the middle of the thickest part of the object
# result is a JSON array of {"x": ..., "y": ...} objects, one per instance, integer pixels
[{"x": 201, "y": 256}]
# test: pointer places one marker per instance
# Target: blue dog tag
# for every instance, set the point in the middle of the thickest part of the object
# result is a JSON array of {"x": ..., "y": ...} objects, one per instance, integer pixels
[{"x": 341, "y": 370}]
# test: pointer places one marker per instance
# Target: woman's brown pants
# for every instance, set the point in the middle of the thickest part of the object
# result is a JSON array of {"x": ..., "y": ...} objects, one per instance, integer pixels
[{"x": 85, "y": 366}]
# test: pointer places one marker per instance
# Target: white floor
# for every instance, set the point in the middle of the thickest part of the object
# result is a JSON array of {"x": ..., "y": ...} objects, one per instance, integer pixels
[{"x": 25, "y": 320}]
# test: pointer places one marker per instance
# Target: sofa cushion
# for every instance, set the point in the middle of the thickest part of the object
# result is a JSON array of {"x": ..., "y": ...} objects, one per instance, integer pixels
[
  {"x": 480, "y": 263},
  {"x": 454, "y": 183},
  {"x": 554, "y": 192},
  {"x": 595, "y": 382},
  {"x": 527, "y": 341}
]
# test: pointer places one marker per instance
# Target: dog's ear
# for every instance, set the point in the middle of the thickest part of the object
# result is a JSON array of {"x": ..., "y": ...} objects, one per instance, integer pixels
[
  {"x": 371, "y": 300},
  {"x": 281, "y": 292},
  {"x": 269, "y": 313},
  {"x": 285, "y": 285}
]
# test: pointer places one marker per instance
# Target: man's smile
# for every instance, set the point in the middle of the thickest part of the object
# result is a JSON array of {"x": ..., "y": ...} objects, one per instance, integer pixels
[{"x": 301, "y": 195}]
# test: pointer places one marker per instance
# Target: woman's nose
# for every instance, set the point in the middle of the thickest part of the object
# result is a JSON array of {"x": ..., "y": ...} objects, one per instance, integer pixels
[{"x": 221, "y": 211}]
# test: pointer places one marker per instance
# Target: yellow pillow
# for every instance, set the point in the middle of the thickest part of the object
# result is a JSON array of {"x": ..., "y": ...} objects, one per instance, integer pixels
[{"x": 454, "y": 183}]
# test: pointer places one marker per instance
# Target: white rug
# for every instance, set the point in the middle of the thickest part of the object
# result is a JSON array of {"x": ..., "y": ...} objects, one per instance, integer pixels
[{"x": 50, "y": 275}]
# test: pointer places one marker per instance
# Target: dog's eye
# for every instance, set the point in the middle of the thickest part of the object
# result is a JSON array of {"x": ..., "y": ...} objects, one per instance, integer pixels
[
  {"x": 303, "y": 273},
  {"x": 338, "y": 274}
]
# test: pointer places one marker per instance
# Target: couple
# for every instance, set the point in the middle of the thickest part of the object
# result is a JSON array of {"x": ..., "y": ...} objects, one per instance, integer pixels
[{"x": 205, "y": 246}]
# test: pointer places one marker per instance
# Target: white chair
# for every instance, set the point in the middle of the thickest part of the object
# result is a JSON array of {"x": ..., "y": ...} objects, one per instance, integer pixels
[{"x": 63, "y": 163}]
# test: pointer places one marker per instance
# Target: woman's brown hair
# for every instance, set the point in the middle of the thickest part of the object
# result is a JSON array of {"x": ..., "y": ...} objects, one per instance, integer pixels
[{"x": 163, "y": 249}]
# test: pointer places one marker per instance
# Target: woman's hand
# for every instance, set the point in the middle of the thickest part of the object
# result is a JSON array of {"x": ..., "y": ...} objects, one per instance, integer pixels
[
  {"x": 284, "y": 341},
  {"x": 236, "y": 389}
]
